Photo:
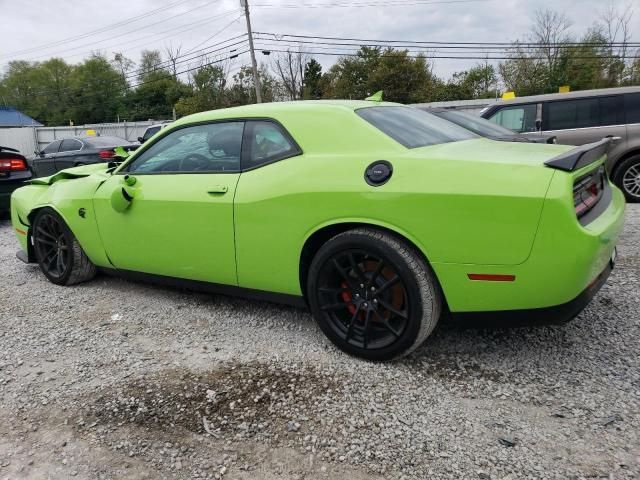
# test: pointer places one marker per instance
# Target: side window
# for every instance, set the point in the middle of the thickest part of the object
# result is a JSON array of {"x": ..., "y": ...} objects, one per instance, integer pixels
[
  {"x": 150, "y": 132},
  {"x": 582, "y": 113},
  {"x": 632, "y": 107},
  {"x": 70, "y": 145},
  {"x": 267, "y": 142},
  {"x": 519, "y": 118},
  {"x": 212, "y": 147},
  {"x": 611, "y": 110},
  {"x": 52, "y": 147}
]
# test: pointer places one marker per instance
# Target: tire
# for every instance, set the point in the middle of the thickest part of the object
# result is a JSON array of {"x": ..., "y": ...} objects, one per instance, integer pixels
[
  {"x": 627, "y": 178},
  {"x": 58, "y": 252},
  {"x": 373, "y": 295}
]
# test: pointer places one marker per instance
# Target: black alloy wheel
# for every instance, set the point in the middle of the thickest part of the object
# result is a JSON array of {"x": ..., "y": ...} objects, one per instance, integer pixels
[
  {"x": 373, "y": 295},
  {"x": 52, "y": 246},
  {"x": 57, "y": 250}
]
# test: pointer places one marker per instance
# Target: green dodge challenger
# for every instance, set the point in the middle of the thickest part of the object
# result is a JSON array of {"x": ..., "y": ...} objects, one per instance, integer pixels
[{"x": 379, "y": 217}]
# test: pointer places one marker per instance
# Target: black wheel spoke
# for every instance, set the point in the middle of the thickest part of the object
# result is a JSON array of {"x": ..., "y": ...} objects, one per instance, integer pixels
[
  {"x": 45, "y": 233},
  {"x": 375, "y": 274},
  {"x": 365, "y": 333},
  {"x": 356, "y": 269},
  {"x": 352, "y": 323},
  {"x": 343, "y": 273},
  {"x": 45, "y": 241},
  {"x": 387, "y": 325},
  {"x": 389, "y": 283},
  {"x": 393, "y": 310},
  {"x": 335, "y": 306}
]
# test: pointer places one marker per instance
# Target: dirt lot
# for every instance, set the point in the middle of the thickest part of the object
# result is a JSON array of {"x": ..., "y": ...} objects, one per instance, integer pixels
[{"x": 112, "y": 380}]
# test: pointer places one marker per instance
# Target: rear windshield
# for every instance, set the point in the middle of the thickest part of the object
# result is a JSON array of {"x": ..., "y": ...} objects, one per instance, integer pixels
[
  {"x": 476, "y": 124},
  {"x": 106, "y": 141},
  {"x": 412, "y": 127}
]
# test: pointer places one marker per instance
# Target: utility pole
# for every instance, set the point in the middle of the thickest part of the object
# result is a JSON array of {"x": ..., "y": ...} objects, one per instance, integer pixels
[{"x": 256, "y": 77}]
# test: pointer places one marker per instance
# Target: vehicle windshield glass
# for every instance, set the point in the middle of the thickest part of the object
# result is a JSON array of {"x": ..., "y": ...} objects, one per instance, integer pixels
[
  {"x": 476, "y": 124},
  {"x": 413, "y": 128}
]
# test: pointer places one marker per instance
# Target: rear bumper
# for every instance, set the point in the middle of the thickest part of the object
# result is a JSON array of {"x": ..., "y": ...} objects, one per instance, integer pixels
[
  {"x": 8, "y": 185},
  {"x": 535, "y": 316}
]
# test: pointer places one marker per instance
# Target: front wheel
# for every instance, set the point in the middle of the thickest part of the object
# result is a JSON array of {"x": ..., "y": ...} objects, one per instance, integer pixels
[
  {"x": 373, "y": 295},
  {"x": 627, "y": 178},
  {"x": 57, "y": 250}
]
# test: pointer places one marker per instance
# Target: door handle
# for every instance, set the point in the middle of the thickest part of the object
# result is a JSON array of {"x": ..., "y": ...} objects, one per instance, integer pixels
[{"x": 218, "y": 189}]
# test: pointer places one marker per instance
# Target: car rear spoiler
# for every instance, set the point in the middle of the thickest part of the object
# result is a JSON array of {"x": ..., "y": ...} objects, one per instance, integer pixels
[
  {"x": 7, "y": 149},
  {"x": 580, "y": 156}
]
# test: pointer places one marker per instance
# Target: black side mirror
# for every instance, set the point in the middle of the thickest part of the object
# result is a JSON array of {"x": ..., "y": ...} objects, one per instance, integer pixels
[
  {"x": 39, "y": 153},
  {"x": 538, "y": 125},
  {"x": 141, "y": 140}
]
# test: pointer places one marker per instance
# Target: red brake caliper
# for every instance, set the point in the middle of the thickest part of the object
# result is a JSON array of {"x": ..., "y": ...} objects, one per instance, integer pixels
[{"x": 346, "y": 297}]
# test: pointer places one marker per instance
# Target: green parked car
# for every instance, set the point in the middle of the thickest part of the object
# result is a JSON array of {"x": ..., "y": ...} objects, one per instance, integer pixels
[{"x": 380, "y": 218}]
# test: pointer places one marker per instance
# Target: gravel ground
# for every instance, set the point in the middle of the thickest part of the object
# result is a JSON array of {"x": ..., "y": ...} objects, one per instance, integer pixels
[{"x": 113, "y": 380}]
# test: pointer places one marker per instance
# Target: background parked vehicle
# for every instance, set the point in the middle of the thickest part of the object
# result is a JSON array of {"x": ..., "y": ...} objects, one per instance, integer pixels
[
  {"x": 14, "y": 171},
  {"x": 73, "y": 152},
  {"x": 486, "y": 128},
  {"x": 152, "y": 130},
  {"x": 577, "y": 118}
]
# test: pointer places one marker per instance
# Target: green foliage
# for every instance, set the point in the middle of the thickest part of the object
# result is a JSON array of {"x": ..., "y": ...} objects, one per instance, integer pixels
[{"x": 312, "y": 79}]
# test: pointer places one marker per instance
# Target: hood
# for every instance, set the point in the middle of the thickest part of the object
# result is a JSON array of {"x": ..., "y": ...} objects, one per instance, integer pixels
[
  {"x": 71, "y": 173},
  {"x": 494, "y": 152}
]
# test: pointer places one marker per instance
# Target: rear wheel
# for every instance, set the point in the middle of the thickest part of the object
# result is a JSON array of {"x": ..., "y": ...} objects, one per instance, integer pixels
[
  {"x": 627, "y": 178},
  {"x": 373, "y": 295},
  {"x": 57, "y": 250}
]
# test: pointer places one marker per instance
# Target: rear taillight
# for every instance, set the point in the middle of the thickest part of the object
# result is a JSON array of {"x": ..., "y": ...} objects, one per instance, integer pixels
[
  {"x": 12, "y": 165},
  {"x": 588, "y": 190},
  {"x": 107, "y": 154}
]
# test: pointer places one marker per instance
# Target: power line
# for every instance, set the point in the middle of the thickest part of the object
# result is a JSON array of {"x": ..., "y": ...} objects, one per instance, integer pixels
[
  {"x": 189, "y": 26},
  {"x": 434, "y": 42},
  {"x": 94, "y": 32},
  {"x": 357, "y": 4}
]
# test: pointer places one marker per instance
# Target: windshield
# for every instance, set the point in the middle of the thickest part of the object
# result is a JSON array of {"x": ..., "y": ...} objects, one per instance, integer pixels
[
  {"x": 412, "y": 127},
  {"x": 106, "y": 141},
  {"x": 474, "y": 123}
]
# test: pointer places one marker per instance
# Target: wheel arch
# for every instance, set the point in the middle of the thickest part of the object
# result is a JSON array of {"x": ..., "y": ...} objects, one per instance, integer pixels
[
  {"x": 322, "y": 233},
  {"x": 628, "y": 154}
]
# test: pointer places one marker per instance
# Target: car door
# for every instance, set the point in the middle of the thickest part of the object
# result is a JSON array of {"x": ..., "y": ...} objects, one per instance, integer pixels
[
  {"x": 44, "y": 164},
  {"x": 169, "y": 211},
  {"x": 67, "y": 155},
  {"x": 520, "y": 118},
  {"x": 585, "y": 120}
]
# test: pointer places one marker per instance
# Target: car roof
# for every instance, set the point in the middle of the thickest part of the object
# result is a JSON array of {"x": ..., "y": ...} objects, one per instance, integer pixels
[
  {"x": 600, "y": 92},
  {"x": 274, "y": 108}
]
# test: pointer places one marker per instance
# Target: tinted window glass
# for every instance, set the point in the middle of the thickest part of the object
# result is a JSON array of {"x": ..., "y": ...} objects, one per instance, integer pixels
[
  {"x": 580, "y": 113},
  {"x": 519, "y": 118},
  {"x": 149, "y": 132},
  {"x": 412, "y": 127},
  {"x": 474, "y": 123},
  {"x": 52, "y": 147},
  {"x": 611, "y": 110},
  {"x": 214, "y": 147},
  {"x": 632, "y": 107},
  {"x": 70, "y": 145},
  {"x": 106, "y": 141},
  {"x": 268, "y": 143}
]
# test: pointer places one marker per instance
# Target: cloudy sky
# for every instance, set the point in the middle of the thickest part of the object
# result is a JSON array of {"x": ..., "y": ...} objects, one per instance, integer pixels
[{"x": 72, "y": 29}]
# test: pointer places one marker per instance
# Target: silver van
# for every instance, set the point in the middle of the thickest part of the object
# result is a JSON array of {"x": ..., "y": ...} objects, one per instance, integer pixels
[{"x": 577, "y": 118}]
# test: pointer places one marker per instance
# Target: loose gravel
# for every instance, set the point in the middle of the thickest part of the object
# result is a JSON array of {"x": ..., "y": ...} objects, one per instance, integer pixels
[{"x": 112, "y": 379}]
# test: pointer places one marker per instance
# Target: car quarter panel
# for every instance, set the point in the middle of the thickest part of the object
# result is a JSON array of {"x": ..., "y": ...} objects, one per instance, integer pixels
[{"x": 464, "y": 202}]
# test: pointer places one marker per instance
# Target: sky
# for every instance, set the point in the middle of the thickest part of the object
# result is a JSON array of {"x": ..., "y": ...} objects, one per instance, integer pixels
[{"x": 39, "y": 29}]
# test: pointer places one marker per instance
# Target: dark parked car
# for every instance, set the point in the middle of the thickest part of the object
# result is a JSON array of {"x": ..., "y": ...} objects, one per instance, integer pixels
[
  {"x": 583, "y": 117},
  {"x": 485, "y": 128},
  {"x": 73, "y": 152},
  {"x": 14, "y": 171}
]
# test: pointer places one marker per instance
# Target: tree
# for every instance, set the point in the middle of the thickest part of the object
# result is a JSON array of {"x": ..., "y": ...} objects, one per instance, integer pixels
[
  {"x": 122, "y": 64},
  {"x": 173, "y": 54},
  {"x": 97, "y": 91},
  {"x": 242, "y": 90},
  {"x": 150, "y": 61},
  {"x": 289, "y": 68},
  {"x": 208, "y": 91},
  {"x": 312, "y": 87}
]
